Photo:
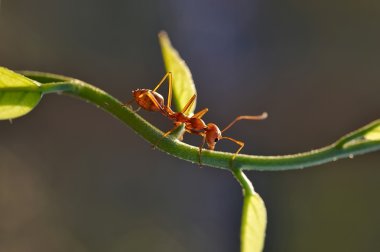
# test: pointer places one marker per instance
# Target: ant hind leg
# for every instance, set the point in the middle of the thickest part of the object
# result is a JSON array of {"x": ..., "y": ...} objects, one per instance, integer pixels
[{"x": 168, "y": 76}]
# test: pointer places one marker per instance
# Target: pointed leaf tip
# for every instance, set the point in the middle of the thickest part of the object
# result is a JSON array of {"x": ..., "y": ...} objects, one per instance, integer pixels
[{"x": 183, "y": 84}]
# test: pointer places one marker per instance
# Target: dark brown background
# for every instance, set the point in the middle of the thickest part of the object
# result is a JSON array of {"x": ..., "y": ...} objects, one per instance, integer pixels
[{"x": 72, "y": 178}]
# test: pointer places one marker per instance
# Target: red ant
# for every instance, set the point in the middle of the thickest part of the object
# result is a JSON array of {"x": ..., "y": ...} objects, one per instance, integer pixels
[{"x": 152, "y": 101}]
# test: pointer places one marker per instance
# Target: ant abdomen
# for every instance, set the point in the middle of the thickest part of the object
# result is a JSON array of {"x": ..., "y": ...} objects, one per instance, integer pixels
[{"x": 143, "y": 99}]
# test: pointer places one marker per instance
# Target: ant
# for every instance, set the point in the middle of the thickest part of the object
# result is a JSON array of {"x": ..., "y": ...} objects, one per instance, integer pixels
[{"x": 152, "y": 101}]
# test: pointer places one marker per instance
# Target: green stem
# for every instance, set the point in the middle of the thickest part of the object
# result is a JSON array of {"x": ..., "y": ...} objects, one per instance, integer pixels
[
  {"x": 350, "y": 145},
  {"x": 248, "y": 192},
  {"x": 244, "y": 182}
]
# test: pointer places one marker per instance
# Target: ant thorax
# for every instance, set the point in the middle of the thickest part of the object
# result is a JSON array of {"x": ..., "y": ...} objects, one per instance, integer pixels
[
  {"x": 195, "y": 125},
  {"x": 179, "y": 117}
]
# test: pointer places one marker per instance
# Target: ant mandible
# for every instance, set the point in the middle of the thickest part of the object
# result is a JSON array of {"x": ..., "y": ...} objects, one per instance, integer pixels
[{"x": 152, "y": 101}]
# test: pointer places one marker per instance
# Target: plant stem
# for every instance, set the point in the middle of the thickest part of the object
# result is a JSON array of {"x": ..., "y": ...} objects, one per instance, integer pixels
[
  {"x": 244, "y": 182},
  {"x": 352, "y": 144}
]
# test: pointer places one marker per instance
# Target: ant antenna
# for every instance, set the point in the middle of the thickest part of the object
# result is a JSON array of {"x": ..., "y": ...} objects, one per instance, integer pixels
[{"x": 257, "y": 117}]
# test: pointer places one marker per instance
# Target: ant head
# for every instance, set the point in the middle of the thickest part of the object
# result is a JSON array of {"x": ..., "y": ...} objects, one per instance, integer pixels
[{"x": 213, "y": 135}]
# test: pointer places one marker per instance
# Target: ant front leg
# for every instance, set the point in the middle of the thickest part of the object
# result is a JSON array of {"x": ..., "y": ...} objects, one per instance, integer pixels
[
  {"x": 200, "y": 150},
  {"x": 240, "y": 143}
]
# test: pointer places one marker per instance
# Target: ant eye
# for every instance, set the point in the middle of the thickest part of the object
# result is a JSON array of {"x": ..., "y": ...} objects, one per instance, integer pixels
[{"x": 216, "y": 140}]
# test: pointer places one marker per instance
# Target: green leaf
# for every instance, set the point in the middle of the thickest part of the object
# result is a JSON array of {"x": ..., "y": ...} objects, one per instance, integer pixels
[
  {"x": 367, "y": 135},
  {"x": 373, "y": 134},
  {"x": 254, "y": 220},
  {"x": 18, "y": 94},
  {"x": 183, "y": 84}
]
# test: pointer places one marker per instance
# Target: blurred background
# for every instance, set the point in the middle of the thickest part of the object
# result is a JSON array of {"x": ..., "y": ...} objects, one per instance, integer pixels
[{"x": 72, "y": 178}]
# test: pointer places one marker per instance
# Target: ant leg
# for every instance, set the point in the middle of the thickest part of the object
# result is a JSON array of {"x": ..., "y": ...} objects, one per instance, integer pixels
[
  {"x": 240, "y": 143},
  {"x": 200, "y": 150},
  {"x": 166, "y": 134},
  {"x": 200, "y": 113},
  {"x": 153, "y": 99},
  {"x": 188, "y": 104},
  {"x": 180, "y": 137},
  {"x": 168, "y": 76},
  {"x": 258, "y": 117},
  {"x": 129, "y": 105}
]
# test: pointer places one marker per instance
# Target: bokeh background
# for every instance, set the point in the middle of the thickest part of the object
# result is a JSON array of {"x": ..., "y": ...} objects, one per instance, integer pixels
[{"x": 72, "y": 178}]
